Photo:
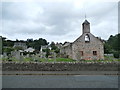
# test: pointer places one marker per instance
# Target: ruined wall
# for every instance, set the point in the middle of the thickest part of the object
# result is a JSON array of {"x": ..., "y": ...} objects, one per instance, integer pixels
[{"x": 67, "y": 51}]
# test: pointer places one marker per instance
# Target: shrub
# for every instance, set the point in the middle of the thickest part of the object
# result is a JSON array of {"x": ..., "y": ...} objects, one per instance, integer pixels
[{"x": 116, "y": 55}]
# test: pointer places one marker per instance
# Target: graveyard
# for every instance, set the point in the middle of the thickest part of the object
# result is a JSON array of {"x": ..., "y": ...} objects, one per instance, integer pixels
[
  {"x": 41, "y": 51},
  {"x": 31, "y": 59},
  {"x": 71, "y": 44},
  {"x": 17, "y": 57},
  {"x": 21, "y": 56},
  {"x": 20, "y": 61}
]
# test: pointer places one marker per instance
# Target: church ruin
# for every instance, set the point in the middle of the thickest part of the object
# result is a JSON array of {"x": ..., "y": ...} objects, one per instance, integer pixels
[{"x": 85, "y": 47}]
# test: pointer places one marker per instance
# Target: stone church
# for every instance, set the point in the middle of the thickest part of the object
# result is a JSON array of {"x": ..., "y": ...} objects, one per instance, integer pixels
[{"x": 85, "y": 47}]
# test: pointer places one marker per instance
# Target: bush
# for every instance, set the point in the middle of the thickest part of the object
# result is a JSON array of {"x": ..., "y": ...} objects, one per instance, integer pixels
[{"x": 116, "y": 55}]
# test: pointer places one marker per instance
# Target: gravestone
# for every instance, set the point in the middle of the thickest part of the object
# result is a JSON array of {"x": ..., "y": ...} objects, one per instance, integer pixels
[
  {"x": 37, "y": 57},
  {"x": 5, "y": 55},
  {"x": 28, "y": 55},
  {"x": 54, "y": 57},
  {"x": 16, "y": 54},
  {"x": 21, "y": 54}
]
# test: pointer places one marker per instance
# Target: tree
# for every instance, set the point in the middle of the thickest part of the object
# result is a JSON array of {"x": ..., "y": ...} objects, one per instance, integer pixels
[
  {"x": 112, "y": 45},
  {"x": 107, "y": 48},
  {"x": 8, "y": 50},
  {"x": 37, "y": 43},
  {"x": 18, "y": 48},
  {"x": 47, "y": 50},
  {"x": 54, "y": 47},
  {"x": 116, "y": 54},
  {"x": 57, "y": 50}
]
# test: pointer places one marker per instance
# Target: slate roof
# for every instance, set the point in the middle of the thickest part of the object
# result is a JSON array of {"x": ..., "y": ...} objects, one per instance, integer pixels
[{"x": 86, "y": 22}]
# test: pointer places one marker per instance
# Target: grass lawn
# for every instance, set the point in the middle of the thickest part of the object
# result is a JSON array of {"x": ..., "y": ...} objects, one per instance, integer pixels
[
  {"x": 64, "y": 60},
  {"x": 29, "y": 59},
  {"x": 57, "y": 60}
]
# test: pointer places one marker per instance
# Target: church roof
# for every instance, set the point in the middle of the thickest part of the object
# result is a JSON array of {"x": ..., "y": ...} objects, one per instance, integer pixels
[{"x": 86, "y": 22}]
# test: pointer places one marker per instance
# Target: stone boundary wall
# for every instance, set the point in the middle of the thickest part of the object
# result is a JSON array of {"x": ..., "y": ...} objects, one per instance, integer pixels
[{"x": 62, "y": 66}]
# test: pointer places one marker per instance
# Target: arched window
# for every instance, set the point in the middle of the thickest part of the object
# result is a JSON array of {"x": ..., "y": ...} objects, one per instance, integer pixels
[{"x": 87, "y": 38}]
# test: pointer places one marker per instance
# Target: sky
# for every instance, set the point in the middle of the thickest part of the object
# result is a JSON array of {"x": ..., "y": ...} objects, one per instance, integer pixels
[{"x": 57, "y": 21}]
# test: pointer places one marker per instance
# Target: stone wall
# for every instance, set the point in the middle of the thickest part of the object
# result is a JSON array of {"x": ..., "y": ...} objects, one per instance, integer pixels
[
  {"x": 62, "y": 66},
  {"x": 90, "y": 48},
  {"x": 87, "y": 48}
]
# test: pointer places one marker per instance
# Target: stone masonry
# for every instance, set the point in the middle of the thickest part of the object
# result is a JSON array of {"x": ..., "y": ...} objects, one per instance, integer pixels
[{"x": 85, "y": 47}]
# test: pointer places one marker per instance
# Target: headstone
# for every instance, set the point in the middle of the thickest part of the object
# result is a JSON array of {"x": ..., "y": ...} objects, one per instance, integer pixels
[
  {"x": 1, "y": 56},
  {"x": 9, "y": 60},
  {"x": 28, "y": 55},
  {"x": 21, "y": 58},
  {"x": 37, "y": 57},
  {"x": 4, "y": 54},
  {"x": 21, "y": 54},
  {"x": 54, "y": 56},
  {"x": 42, "y": 54},
  {"x": 36, "y": 60},
  {"x": 16, "y": 54}
]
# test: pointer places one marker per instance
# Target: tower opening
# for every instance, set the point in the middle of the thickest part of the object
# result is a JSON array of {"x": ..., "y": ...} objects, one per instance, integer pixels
[{"x": 87, "y": 38}]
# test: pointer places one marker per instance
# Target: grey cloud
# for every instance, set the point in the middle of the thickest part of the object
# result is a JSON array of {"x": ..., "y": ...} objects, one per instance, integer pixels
[{"x": 58, "y": 19}]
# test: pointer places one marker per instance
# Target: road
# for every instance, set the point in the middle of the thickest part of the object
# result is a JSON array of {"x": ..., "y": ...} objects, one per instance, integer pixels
[{"x": 59, "y": 81}]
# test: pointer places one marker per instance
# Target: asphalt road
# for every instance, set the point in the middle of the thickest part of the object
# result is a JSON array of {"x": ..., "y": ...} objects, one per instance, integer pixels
[{"x": 60, "y": 81}]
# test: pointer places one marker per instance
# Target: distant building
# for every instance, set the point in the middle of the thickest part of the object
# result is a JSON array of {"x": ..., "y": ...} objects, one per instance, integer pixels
[
  {"x": 30, "y": 40},
  {"x": 59, "y": 45},
  {"x": 87, "y": 46},
  {"x": 29, "y": 49},
  {"x": 45, "y": 47},
  {"x": 20, "y": 44}
]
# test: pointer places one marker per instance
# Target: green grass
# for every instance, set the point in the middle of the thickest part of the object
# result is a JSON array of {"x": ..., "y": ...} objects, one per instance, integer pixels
[
  {"x": 6, "y": 59},
  {"x": 29, "y": 59},
  {"x": 57, "y": 60},
  {"x": 64, "y": 60}
]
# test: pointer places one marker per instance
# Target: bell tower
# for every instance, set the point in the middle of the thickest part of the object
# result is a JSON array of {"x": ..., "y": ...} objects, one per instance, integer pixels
[{"x": 86, "y": 27}]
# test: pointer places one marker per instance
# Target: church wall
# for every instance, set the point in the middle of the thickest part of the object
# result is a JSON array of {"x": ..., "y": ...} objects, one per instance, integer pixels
[{"x": 87, "y": 48}]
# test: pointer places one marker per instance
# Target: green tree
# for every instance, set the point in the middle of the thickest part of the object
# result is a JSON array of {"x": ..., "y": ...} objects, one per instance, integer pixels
[
  {"x": 8, "y": 50},
  {"x": 57, "y": 50},
  {"x": 37, "y": 43},
  {"x": 112, "y": 45},
  {"x": 47, "y": 50},
  {"x": 54, "y": 47},
  {"x": 18, "y": 48}
]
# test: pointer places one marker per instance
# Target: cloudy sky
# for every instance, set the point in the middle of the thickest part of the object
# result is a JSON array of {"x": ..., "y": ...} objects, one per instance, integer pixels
[{"x": 57, "y": 21}]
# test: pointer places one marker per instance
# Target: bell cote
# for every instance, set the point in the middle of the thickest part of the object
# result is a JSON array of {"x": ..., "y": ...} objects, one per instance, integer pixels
[{"x": 86, "y": 27}]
